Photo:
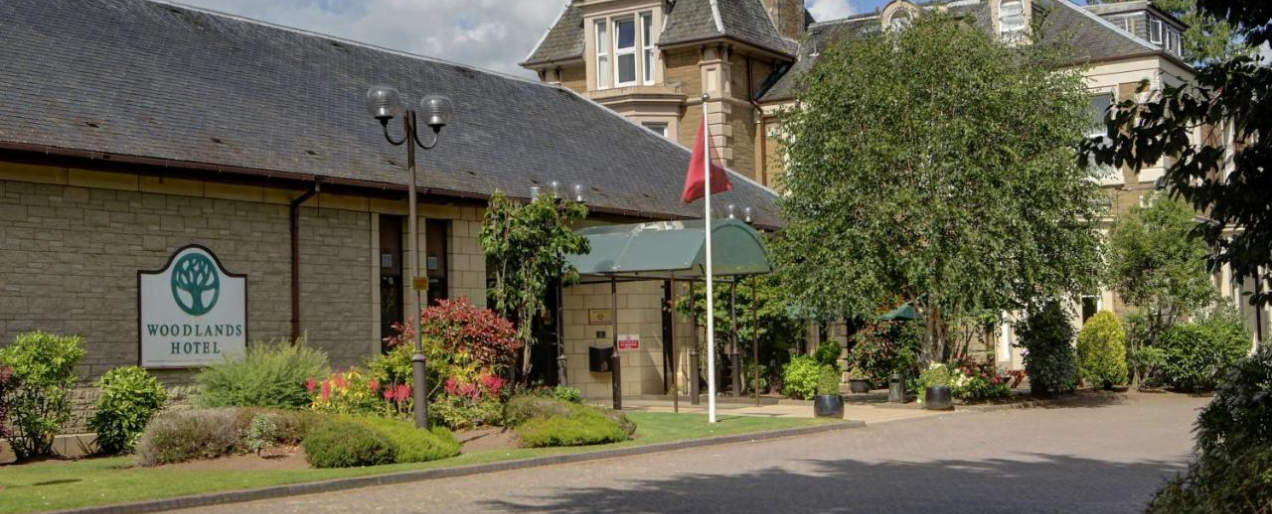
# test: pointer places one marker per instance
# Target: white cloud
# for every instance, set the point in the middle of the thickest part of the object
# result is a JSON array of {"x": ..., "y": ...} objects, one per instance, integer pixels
[
  {"x": 824, "y": 10},
  {"x": 490, "y": 34}
]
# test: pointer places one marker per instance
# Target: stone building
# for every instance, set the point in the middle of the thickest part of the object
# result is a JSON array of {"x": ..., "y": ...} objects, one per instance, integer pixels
[
  {"x": 130, "y": 129},
  {"x": 748, "y": 56}
]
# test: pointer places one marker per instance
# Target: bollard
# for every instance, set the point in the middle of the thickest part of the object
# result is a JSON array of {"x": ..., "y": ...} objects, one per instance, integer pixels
[{"x": 896, "y": 388}]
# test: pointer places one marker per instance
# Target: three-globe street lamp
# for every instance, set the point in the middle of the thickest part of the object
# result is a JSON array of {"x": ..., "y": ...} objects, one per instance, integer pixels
[{"x": 384, "y": 103}]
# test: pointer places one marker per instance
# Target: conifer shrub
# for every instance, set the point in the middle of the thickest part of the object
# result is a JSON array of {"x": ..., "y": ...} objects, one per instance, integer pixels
[
  {"x": 129, "y": 397},
  {"x": 413, "y": 444},
  {"x": 1102, "y": 351},
  {"x": 547, "y": 421}
]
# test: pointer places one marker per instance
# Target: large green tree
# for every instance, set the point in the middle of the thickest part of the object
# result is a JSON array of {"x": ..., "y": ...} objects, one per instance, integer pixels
[
  {"x": 1227, "y": 178},
  {"x": 937, "y": 164}
]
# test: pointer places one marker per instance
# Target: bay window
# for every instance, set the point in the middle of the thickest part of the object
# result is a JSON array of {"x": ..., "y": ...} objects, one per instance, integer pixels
[{"x": 647, "y": 46}]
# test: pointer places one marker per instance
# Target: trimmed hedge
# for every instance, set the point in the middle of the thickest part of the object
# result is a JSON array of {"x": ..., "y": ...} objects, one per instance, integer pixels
[
  {"x": 1102, "y": 351},
  {"x": 344, "y": 443},
  {"x": 180, "y": 436},
  {"x": 545, "y": 421}
]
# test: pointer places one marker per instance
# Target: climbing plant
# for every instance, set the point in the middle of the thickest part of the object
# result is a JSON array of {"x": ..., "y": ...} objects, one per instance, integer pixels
[{"x": 525, "y": 246}]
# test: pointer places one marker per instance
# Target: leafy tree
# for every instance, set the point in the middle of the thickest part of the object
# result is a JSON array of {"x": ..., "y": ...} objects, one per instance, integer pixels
[
  {"x": 1159, "y": 267},
  {"x": 525, "y": 246},
  {"x": 1231, "y": 96},
  {"x": 1208, "y": 39},
  {"x": 937, "y": 163}
]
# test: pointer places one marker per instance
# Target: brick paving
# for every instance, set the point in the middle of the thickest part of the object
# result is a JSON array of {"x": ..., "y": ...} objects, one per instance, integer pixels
[{"x": 1100, "y": 457}]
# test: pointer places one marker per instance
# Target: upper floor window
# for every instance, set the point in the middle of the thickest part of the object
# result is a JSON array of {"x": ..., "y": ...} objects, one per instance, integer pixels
[
  {"x": 657, "y": 128},
  {"x": 1173, "y": 44},
  {"x": 1155, "y": 31},
  {"x": 1098, "y": 108},
  {"x": 602, "y": 55},
  {"x": 647, "y": 46},
  {"x": 1011, "y": 19},
  {"x": 625, "y": 52}
]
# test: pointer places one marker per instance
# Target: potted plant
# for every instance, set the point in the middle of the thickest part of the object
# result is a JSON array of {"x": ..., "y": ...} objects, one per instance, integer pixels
[
  {"x": 828, "y": 403},
  {"x": 934, "y": 388},
  {"x": 858, "y": 381}
]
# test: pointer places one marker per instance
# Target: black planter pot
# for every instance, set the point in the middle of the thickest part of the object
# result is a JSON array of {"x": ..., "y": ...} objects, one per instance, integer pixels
[
  {"x": 828, "y": 406},
  {"x": 938, "y": 398},
  {"x": 859, "y": 386}
]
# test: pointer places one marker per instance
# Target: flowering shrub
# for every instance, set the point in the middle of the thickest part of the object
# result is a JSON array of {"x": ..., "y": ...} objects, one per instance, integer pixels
[
  {"x": 885, "y": 347},
  {"x": 467, "y": 332},
  {"x": 975, "y": 382},
  {"x": 356, "y": 392}
]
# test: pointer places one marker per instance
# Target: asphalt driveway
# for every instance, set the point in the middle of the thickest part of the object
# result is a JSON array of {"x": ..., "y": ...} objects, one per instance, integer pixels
[{"x": 1089, "y": 459}]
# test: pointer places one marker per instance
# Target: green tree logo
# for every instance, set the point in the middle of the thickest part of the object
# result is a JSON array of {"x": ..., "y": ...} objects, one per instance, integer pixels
[{"x": 195, "y": 284}]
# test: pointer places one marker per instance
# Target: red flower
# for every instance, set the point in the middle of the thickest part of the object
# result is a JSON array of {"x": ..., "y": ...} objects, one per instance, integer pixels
[
  {"x": 388, "y": 394},
  {"x": 326, "y": 390},
  {"x": 310, "y": 385},
  {"x": 401, "y": 393},
  {"x": 340, "y": 381},
  {"x": 374, "y": 385}
]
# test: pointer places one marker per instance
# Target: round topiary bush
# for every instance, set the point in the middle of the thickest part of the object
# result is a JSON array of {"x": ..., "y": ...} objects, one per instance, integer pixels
[
  {"x": 1102, "y": 351},
  {"x": 343, "y": 443},
  {"x": 129, "y": 398}
]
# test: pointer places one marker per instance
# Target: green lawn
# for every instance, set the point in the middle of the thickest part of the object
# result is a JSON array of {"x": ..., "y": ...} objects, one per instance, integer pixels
[{"x": 61, "y": 485}]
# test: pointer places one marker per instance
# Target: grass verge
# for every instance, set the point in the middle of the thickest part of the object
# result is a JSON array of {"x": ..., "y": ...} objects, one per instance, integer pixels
[{"x": 102, "y": 481}]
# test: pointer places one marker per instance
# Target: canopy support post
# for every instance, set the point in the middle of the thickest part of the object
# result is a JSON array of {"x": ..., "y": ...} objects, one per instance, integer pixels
[
  {"x": 693, "y": 350},
  {"x": 671, "y": 332},
  {"x": 559, "y": 319},
  {"x": 755, "y": 339},
  {"x": 616, "y": 370},
  {"x": 735, "y": 359}
]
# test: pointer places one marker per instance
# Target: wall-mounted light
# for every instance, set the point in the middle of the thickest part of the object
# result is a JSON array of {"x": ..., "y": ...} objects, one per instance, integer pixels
[
  {"x": 578, "y": 193},
  {"x": 730, "y": 210},
  {"x": 746, "y": 214}
]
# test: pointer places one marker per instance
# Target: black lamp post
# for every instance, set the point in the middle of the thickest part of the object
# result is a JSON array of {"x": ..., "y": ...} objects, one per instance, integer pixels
[{"x": 384, "y": 103}]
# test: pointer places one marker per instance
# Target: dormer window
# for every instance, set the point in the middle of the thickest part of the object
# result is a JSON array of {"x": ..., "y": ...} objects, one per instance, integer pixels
[
  {"x": 1011, "y": 20},
  {"x": 901, "y": 20},
  {"x": 1155, "y": 31}
]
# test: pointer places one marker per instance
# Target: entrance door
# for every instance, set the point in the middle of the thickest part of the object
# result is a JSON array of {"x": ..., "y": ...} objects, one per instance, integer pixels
[
  {"x": 435, "y": 264},
  {"x": 391, "y": 287}
]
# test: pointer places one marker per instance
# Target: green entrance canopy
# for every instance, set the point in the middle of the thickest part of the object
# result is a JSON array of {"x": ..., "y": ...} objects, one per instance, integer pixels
[
  {"x": 672, "y": 249},
  {"x": 904, "y": 312}
]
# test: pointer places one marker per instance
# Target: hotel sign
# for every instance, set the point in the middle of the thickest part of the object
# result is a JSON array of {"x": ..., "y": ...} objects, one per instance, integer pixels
[{"x": 192, "y": 312}]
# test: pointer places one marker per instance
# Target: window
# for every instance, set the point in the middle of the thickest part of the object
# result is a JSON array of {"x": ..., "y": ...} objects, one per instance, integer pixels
[
  {"x": 1128, "y": 24},
  {"x": 1172, "y": 42},
  {"x": 1098, "y": 107},
  {"x": 602, "y": 55},
  {"x": 647, "y": 46},
  {"x": 657, "y": 128},
  {"x": 625, "y": 52},
  {"x": 900, "y": 20},
  {"x": 1090, "y": 306},
  {"x": 1155, "y": 31},
  {"x": 1011, "y": 19}
]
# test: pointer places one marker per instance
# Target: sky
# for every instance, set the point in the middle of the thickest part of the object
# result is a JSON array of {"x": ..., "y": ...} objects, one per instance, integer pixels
[{"x": 489, "y": 34}]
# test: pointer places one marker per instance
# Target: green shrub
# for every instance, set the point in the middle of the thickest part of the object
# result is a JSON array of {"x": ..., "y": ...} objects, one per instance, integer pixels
[
  {"x": 268, "y": 375},
  {"x": 585, "y": 426},
  {"x": 1047, "y": 338},
  {"x": 41, "y": 375},
  {"x": 128, "y": 398},
  {"x": 885, "y": 348},
  {"x": 187, "y": 435},
  {"x": 567, "y": 393},
  {"x": 828, "y": 383},
  {"x": 827, "y": 354},
  {"x": 1233, "y": 471},
  {"x": 209, "y": 433},
  {"x": 1198, "y": 354},
  {"x": 413, "y": 444},
  {"x": 800, "y": 376},
  {"x": 935, "y": 375},
  {"x": 1102, "y": 351},
  {"x": 261, "y": 434},
  {"x": 460, "y": 413},
  {"x": 344, "y": 443},
  {"x": 521, "y": 408}
]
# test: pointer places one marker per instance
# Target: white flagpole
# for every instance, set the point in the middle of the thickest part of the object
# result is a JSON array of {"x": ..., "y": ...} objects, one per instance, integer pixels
[{"x": 711, "y": 382}]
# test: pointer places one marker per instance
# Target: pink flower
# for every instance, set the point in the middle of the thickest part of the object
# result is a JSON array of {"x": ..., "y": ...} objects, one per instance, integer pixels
[
  {"x": 388, "y": 394},
  {"x": 451, "y": 386},
  {"x": 402, "y": 392},
  {"x": 310, "y": 385},
  {"x": 326, "y": 390},
  {"x": 374, "y": 385}
]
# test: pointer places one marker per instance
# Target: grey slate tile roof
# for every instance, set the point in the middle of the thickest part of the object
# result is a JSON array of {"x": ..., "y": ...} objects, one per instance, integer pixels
[
  {"x": 688, "y": 20},
  {"x": 169, "y": 82},
  {"x": 1093, "y": 38},
  {"x": 563, "y": 40}
]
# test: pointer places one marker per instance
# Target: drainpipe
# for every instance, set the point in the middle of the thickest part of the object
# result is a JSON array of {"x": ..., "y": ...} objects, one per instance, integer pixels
[{"x": 294, "y": 225}]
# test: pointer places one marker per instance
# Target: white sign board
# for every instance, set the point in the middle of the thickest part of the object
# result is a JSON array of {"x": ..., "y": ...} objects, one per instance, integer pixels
[{"x": 192, "y": 312}]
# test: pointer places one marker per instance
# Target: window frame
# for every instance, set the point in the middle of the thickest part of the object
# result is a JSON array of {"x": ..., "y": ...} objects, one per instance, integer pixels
[
  {"x": 664, "y": 127},
  {"x": 600, "y": 33},
  {"x": 619, "y": 52},
  {"x": 1154, "y": 22},
  {"x": 1106, "y": 172},
  {"x": 647, "y": 47},
  {"x": 1012, "y": 34}
]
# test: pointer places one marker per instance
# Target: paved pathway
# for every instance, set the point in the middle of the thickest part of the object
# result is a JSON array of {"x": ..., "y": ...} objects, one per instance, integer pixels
[{"x": 1089, "y": 459}]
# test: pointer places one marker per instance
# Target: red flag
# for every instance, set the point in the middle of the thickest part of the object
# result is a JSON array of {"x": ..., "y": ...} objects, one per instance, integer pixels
[{"x": 695, "y": 183}]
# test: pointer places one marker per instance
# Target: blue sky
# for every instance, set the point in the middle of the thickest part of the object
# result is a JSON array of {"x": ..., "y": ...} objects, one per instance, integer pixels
[{"x": 490, "y": 34}]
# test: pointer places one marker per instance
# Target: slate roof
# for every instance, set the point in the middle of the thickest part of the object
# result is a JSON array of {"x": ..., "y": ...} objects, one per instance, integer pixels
[
  {"x": 155, "y": 80},
  {"x": 687, "y": 21},
  {"x": 1093, "y": 38}
]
